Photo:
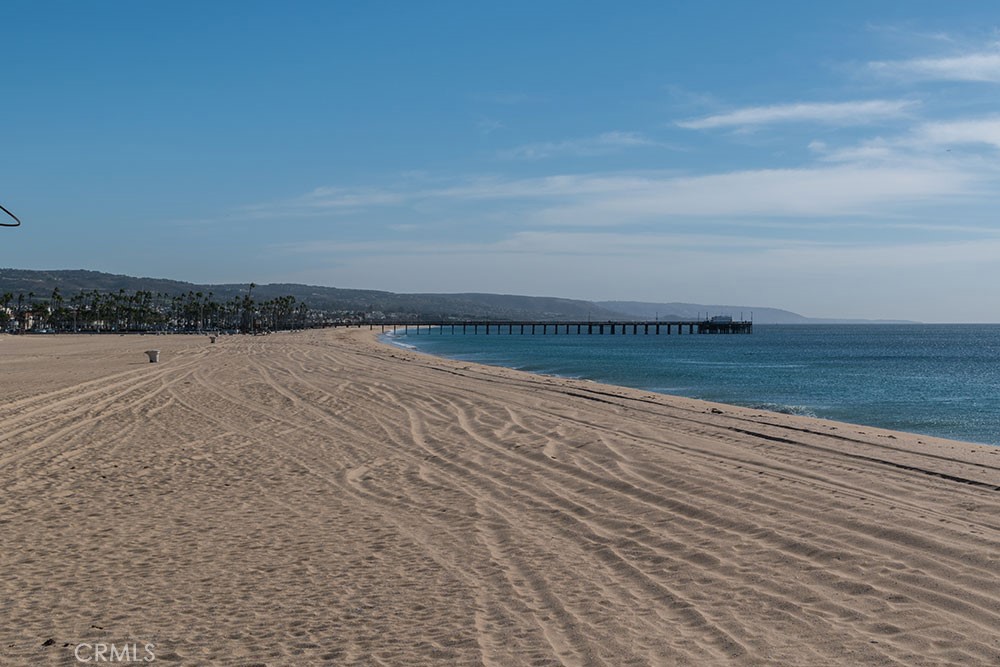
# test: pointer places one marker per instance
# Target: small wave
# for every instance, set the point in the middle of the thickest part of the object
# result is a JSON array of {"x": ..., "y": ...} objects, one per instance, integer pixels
[
  {"x": 735, "y": 364},
  {"x": 799, "y": 410},
  {"x": 392, "y": 339},
  {"x": 702, "y": 362}
]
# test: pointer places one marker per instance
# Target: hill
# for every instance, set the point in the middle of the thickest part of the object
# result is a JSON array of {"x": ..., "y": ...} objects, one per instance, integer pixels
[
  {"x": 393, "y": 305},
  {"x": 330, "y": 299},
  {"x": 691, "y": 311}
]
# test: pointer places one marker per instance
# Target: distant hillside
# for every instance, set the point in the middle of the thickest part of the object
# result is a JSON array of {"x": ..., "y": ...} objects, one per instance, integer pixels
[
  {"x": 470, "y": 306},
  {"x": 690, "y": 311},
  {"x": 69, "y": 282},
  {"x": 393, "y": 305}
]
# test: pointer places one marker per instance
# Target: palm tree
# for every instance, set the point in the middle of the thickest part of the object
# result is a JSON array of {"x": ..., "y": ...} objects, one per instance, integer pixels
[
  {"x": 58, "y": 314},
  {"x": 21, "y": 324},
  {"x": 5, "y": 316},
  {"x": 248, "y": 324}
]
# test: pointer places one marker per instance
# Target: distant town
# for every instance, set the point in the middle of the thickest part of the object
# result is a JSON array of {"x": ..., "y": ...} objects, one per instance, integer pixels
[{"x": 144, "y": 311}]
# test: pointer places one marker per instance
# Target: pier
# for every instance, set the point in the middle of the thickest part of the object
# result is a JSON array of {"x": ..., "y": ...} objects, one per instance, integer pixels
[{"x": 543, "y": 328}]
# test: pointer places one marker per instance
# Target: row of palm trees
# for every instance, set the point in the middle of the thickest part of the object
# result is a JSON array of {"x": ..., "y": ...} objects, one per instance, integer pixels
[{"x": 143, "y": 310}]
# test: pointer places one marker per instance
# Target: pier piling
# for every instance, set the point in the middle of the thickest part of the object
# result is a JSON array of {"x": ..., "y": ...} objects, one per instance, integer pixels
[{"x": 529, "y": 327}]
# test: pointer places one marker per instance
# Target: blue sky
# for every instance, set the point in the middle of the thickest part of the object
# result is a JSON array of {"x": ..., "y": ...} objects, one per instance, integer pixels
[{"x": 836, "y": 159}]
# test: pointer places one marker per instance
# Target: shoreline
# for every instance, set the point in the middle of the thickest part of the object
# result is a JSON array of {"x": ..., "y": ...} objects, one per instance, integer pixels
[
  {"x": 760, "y": 406},
  {"x": 602, "y": 390},
  {"x": 325, "y": 497}
]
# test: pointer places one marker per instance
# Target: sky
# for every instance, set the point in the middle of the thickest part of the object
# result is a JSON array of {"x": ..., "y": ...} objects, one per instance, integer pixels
[{"x": 834, "y": 159}]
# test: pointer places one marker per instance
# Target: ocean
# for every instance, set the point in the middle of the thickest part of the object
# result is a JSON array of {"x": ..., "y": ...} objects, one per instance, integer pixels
[{"x": 938, "y": 380}]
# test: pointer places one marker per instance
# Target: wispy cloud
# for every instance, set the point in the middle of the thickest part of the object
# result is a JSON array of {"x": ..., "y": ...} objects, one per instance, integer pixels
[
  {"x": 623, "y": 200},
  {"x": 957, "y": 132},
  {"x": 547, "y": 243},
  {"x": 906, "y": 33},
  {"x": 830, "y": 113},
  {"x": 802, "y": 254},
  {"x": 876, "y": 150},
  {"x": 602, "y": 144},
  {"x": 982, "y": 66},
  {"x": 818, "y": 192},
  {"x": 489, "y": 125},
  {"x": 959, "y": 137},
  {"x": 324, "y": 201}
]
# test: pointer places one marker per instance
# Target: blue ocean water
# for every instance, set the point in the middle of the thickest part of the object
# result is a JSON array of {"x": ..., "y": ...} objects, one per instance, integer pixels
[{"x": 941, "y": 380}]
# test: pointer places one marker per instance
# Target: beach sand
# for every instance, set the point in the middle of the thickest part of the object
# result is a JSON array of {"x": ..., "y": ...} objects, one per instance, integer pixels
[{"x": 322, "y": 498}]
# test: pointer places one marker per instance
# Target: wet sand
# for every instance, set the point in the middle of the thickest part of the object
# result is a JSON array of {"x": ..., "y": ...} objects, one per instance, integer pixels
[{"x": 322, "y": 498}]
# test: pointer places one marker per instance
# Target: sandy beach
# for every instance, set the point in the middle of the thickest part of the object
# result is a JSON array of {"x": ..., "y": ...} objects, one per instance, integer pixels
[{"x": 323, "y": 498}]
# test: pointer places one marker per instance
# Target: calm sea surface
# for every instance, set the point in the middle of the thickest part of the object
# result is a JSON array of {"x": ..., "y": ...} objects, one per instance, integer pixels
[{"x": 941, "y": 380}]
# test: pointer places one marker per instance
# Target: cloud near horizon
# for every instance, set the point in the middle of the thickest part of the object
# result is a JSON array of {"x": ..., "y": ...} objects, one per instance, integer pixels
[{"x": 663, "y": 265}]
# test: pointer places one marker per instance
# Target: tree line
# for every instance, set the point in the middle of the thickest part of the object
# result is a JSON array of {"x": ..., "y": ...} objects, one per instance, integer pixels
[{"x": 142, "y": 311}]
